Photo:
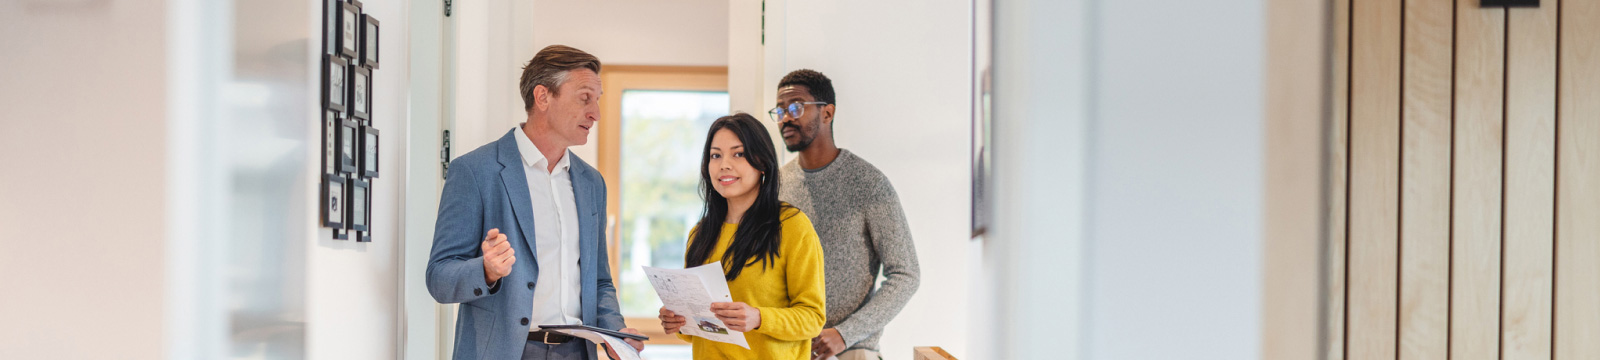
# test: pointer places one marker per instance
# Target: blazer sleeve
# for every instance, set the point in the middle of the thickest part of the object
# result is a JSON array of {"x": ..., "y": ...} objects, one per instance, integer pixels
[
  {"x": 610, "y": 311},
  {"x": 455, "y": 265}
]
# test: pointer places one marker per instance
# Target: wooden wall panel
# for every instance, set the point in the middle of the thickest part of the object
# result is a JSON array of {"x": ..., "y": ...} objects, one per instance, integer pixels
[
  {"x": 1577, "y": 242},
  {"x": 1475, "y": 252},
  {"x": 1374, "y": 179},
  {"x": 1339, "y": 181},
  {"x": 1529, "y": 181},
  {"x": 1425, "y": 180}
]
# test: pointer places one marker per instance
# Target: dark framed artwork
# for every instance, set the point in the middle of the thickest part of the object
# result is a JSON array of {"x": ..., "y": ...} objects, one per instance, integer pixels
[
  {"x": 369, "y": 42},
  {"x": 349, "y": 27},
  {"x": 347, "y": 146},
  {"x": 330, "y": 141},
  {"x": 333, "y": 204},
  {"x": 333, "y": 83},
  {"x": 982, "y": 164},
  {"x": 330, "y": 26},
  {"x": 360, "y": 93},
  {"x": 360, "y": 200},
  {"x": 369, "y": 152}
]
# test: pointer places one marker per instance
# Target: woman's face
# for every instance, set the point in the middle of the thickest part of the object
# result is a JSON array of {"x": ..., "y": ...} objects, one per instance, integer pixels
[{"x": 729, "y": 169}]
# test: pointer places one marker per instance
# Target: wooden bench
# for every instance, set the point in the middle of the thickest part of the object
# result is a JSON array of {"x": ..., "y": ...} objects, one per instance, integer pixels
[{"x": 930, "y": 353}]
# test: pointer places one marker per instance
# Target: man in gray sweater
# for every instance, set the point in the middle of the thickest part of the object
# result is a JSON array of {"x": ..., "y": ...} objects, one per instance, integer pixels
[{"x": 857, "y": 216}]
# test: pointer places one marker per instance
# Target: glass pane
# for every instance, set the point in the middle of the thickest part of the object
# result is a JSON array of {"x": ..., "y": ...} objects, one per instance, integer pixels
[{"x": 662, "y": 136}]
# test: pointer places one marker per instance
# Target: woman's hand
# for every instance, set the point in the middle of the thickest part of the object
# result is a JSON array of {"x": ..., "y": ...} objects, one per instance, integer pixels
[
  {"x": 737, "y": 315},
  {"x": 670, "y": 321}
]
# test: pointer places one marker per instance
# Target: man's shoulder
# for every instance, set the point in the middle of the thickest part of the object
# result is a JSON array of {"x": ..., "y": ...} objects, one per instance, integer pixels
[
  {"x": 864, "y": 175},
  {"x": 483, "y": 158}
]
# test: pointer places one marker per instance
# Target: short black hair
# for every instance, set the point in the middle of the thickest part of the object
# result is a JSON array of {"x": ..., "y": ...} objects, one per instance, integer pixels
[{"x": 820, "y": 87}]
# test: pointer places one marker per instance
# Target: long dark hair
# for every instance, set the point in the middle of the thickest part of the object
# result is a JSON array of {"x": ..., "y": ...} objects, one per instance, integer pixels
[{"x": 761, "y": 228}]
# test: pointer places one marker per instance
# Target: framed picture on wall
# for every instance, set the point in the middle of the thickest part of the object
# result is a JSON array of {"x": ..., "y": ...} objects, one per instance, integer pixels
[
  {"x": 369, "y": 42},
  {"x": 369, "y": 152},
  {"x": 349, "y": 28},
  {"x": 361, "y": 92},
  {"x": 330, "y": 141},
  {"x": 333, "y": 201},
  {"x": 333, "y": 83},
  {"x": 360, "y": 200},
  {"x": 330, "y": 26},
  {"x": 347, "y": 146},
  {"x": 982, "y": 117}
]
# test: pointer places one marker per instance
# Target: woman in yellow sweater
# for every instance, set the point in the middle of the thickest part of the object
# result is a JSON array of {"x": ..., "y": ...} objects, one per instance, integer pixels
[{"x": 769, "y": 251}]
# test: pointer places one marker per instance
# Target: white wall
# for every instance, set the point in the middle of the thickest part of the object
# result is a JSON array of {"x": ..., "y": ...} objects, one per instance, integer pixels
[
  {"x": 82, "y": 198},
  {"x": 901, "y": 72},
  {"x": 1176, "y": 190},
  {"x": 354, "y": 289},
  {"x": 1135, "y": 133},
  {"x": 637, "y": 32}
]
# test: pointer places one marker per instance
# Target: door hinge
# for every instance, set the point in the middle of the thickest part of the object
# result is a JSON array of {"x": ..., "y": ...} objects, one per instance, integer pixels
[
  {"x": 447, "y": 8},
  {"x": 444, "y": 155}
]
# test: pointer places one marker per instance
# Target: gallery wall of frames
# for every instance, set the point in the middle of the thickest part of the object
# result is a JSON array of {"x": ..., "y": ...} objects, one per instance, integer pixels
[{"x": 349, "y": 140}]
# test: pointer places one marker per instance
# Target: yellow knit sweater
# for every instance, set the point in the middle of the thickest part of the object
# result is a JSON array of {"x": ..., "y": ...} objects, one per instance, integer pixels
[{"x": 790, "y": 294}]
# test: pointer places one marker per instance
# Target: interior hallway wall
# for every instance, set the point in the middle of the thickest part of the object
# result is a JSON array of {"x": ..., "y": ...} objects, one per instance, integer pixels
[
  {"x": 1129, "y": 184},
  {"x": 1468, "y": 158},
  {"x": 82, "y": 199},
  {"x": 902, "y": 74},
  {"x": 353, "y": 289}
]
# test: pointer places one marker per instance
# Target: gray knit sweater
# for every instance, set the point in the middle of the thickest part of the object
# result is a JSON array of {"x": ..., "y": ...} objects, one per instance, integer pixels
[{"x": 859, "y": 221}]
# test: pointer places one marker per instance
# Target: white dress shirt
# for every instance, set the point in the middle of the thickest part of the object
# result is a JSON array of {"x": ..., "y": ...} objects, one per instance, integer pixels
[{"x": 555, "y": 237}]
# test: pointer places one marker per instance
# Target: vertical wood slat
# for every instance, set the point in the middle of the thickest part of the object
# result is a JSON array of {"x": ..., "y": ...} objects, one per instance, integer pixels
[
  {"x": 1577, "y": 242},
  {"x": 1374, "y": 179},
  {"x": 1475, "y": 249},
  {"x": 1529, "y": 181},
  {"x": 1425, "y": 180},
  {"x": 1339, "y": 182}
]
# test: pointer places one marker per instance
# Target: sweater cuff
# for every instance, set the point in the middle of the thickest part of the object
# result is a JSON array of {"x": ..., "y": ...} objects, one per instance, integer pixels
[{"x": 851, "y": 333}]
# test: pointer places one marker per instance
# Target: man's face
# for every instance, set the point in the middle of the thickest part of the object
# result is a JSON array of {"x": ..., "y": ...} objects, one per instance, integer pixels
[
  {"x": 574, "y": 112},
  {"x": 798, "y": 133}
]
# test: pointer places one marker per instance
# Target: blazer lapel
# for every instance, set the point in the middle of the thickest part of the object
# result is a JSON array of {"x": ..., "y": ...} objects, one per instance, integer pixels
[{"x": 516, "y": 183}]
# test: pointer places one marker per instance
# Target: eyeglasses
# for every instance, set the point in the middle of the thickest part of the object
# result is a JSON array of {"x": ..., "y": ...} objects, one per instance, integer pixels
[{"x": 795, "y": 110}]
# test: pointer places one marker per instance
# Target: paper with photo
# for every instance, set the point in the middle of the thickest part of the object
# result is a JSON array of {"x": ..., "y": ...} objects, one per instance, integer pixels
[
  {"x": 624, "y": 351},
  {"x": 689, "y": 293}
]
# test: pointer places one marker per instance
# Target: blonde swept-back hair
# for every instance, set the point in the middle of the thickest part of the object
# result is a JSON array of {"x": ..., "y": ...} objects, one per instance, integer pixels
[{"x": 550, "y": 68}]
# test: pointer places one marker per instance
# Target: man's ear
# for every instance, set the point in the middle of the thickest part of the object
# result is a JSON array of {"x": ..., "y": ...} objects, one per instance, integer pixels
[
  {"x": 541, "y": 97},
  {"x": 827, "y": 114}
]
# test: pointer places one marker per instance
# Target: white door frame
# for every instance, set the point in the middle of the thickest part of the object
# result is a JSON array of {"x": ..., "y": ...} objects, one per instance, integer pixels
[{"x": 425, "y": 331}]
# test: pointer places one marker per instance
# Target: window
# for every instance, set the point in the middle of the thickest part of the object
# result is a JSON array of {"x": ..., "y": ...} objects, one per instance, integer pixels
[
  {"x": 652, "y": 127},
  {"x": 662, "y": 135}
]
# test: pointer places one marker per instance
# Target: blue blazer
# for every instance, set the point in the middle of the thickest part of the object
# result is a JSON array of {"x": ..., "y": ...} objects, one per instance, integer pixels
[{"x": 487, "y": 189}]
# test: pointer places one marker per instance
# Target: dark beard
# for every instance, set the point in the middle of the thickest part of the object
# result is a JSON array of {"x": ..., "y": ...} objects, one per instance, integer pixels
[{"x": 805, "y": 141}]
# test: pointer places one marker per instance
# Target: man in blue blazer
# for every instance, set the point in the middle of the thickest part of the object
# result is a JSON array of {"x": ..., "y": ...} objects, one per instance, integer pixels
[{"x": 525, "y": 195}]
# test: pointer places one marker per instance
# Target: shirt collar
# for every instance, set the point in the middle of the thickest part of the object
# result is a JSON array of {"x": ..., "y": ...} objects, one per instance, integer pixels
[{"x": 532, "y": 157}]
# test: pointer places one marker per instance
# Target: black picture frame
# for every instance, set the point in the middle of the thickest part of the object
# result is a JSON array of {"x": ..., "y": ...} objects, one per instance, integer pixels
[
  {"x": 369, "y": 152},
  {"x": 369, "y": 41},
  {"x": 333, "y": 203},
  {"x": 349, "y": 30},
  {"x": 359, "y": 214},
  {"x": 982, "y": 124},
  {"x": 335, "y": 75},
  {"x": 348, "y": 143},
  {"x": 360, "y": 92},
  {"x": 330, "y": 141},
  {"x": 330, "y": 26}
]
